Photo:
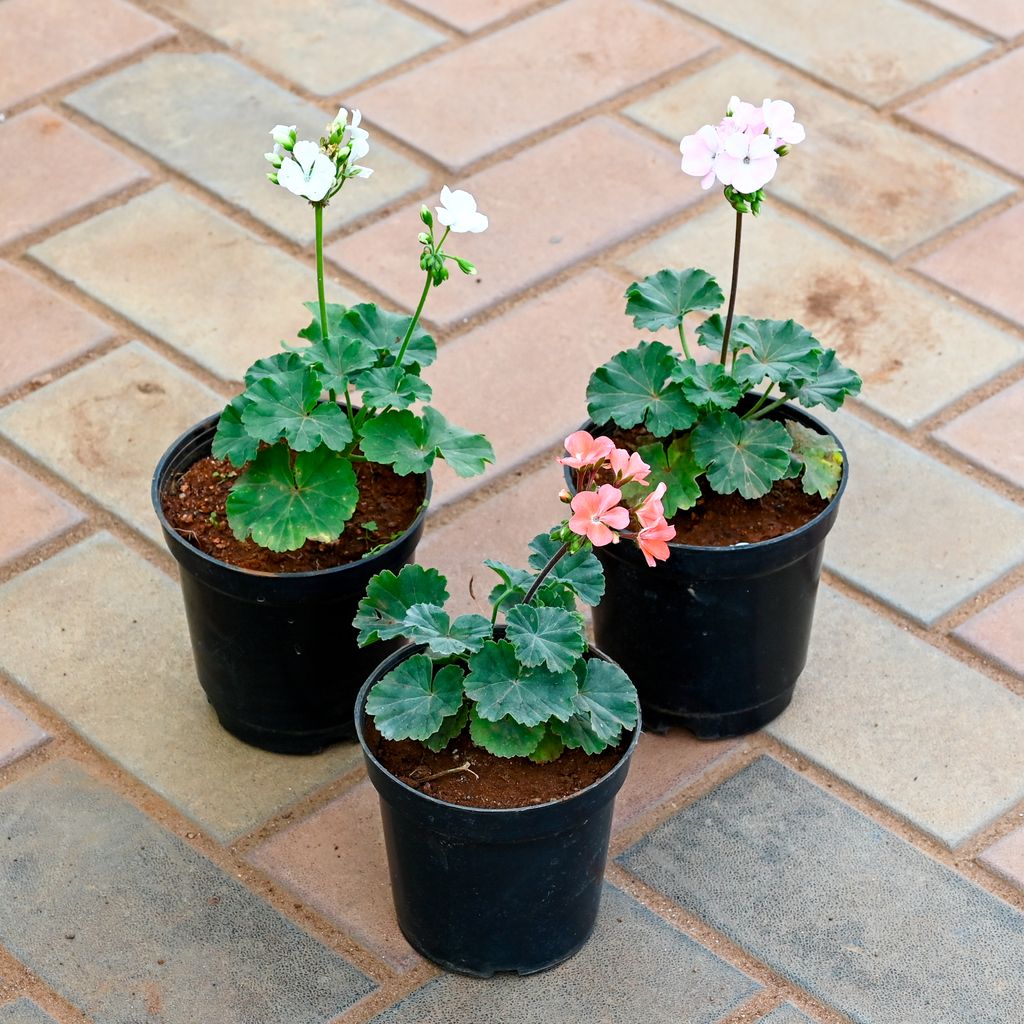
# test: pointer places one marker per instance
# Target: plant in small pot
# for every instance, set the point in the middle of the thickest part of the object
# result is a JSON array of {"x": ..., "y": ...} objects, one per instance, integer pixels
[
  {"x": 315, "y": 477},
  {"x": 497, "y": 749},
  {"x": 717, "y": 641}
]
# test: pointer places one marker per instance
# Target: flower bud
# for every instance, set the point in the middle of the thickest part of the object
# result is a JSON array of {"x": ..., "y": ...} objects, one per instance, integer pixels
[
  {"x": 423, "y": 238},
  {"x": 426, "y": 216},
  {"x": 564, "y": 496},
  {"x": 782, "y": 150},
  {"x": 464, "y": 265},
  {"x": 284, "y": 135},
  {"x": 272, "y": 178},
  {"x": 274, "y": 158}
]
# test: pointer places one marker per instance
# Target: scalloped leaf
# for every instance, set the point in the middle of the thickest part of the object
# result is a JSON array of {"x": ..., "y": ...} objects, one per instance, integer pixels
[
  {"x": 232, "y": 441},
  {"x": 335, "y": 312},
  {"x": 576, "y": 734},
  {"x": 781, "y": 350},
  {"x": 391, "y": 385},
  {"x": 275, "y": 366},
  {"x": 382, "y": 610},
  {"x": 634, "y": 387},
  {"x": 820, "y": 458},
  {"x": 384, "y": 331},
  {"x": 410, "y": 443},
  {"x": 742, "y": 455},
  {"x": 430, "y": 624},
  {"x": 676, "y": 466},
  {"x": 581, "y": 572},
  {"x": 663, "y": 299},
  {"x": 451, "y": 727},
  {"x": 505, "y": 737},
  {"x": 412, "y": 701},
  {"x": 338, "y": 359},
  {"x": 607, "y": 700},
  {"x": 500, "y": 685},
  {"x": 828, "y": 383},
  {"x": 549, "y": 749},
  {"x": 281, "y": 505},
  {"x": 707, "y": 384},
  {"x": 546, "y": 636},
  {"x": 710, "y": 332},
  {"x": 288, "y": 406},
  {"x": 516, "y": 582}
]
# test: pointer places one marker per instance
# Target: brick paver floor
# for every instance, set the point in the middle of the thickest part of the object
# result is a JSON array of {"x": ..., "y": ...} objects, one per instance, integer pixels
[{"x": 862, "y": 860}]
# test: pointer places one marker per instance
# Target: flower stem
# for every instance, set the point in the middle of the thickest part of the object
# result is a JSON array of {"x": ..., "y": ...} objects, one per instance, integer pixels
[
  {"x": 757, "y": 405},
  {"x": 415, "y": 320},
  {"x": 552, "y": 562},
  {"x": 319, "y": 214},
  {"x": 682, "y": 338},
  {"x": 732, "y": 290},
  {"x": 767, "y": 409}
]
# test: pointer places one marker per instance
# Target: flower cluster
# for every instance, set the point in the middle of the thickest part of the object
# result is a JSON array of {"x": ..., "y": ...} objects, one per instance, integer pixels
[
  {"x": 743, "y": 150},
  {"x": 599, "y": 514}
]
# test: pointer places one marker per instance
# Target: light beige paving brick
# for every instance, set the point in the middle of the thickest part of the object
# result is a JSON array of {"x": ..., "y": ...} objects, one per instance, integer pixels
[
  {"x": 40, "y": 329},
  {"x": 855, "y": 171},
  {"x": 1006, "y": 858},
  {"x": 992, "y": 434},
  {"x": 1003, "y": 17},
  {"x": 529, "y": 371},
  {"x": 544, "y": 216},
  {"x": 103, "y": 427},
  {"x": 335, "y": 862},
  {"x": 505, "y": 87},
  {"x": 69, "y": 171},
  {"x": 209, "y": 117},
  {"x": 970, "y": 111},
  {"x": 19, "y": 735},
  {"x": 32, "y": 513},
  {"x": 935, "y": 741},
  {"x": 913, "y": 532},
  {"x": 323, "y": 45},
  {"x": 46, "y": 43},
  {"x": 99, "y": 634},
  {"x": 851, "y": 45},
  {"x": 916, "y": 352},
  {"x": 470, "y": 15},
  {"x": 998, "y": 631},
  {"x": 189, "y": 276},
  {"x": 986, "y": 264}
]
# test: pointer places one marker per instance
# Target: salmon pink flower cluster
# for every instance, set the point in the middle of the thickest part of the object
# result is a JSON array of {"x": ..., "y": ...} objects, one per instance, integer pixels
[{"x": 600, "y": 512}]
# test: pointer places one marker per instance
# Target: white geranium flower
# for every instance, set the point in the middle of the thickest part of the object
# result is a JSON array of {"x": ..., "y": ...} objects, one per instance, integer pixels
[
  {"x": 284, "y": 135},
  {"x": 276, "y": 157},
  {"x": 307, "y": 172},
  {"x": 352, "y": 134},
  {"x": 458, "y": 212}
]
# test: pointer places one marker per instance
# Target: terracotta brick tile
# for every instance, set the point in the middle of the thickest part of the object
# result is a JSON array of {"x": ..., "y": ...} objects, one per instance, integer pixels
[
  {"x": 971, "y": 111},
  {"x": 45, "y": 43},
  {"x": 1006, "y": 858},
  {"x": 505, "y": 87},
  {"x": 546, "y": 209},
  {"x": 39, "y": 329},
  {"x": 1003, "y": 17},
  {"x": 470, "y": 15},
  {"x": 19, "y": 735},
  {"x": 998, "y": 631},
  {"x": 70, "y": 170},
  {"x": 32, "y": 514}
]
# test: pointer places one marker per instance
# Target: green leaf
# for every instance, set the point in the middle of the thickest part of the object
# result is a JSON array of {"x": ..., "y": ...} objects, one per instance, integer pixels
[
  {"x": 780, "y": 350},
  {"x": 820, "y": 457},
  {"x": 287, "y": 406},
  {"x": 338, "y": 359},
  {"x": 707, "y": 384},
  {"x": 280, "y": 364},
  {"x": 516, "y": 582},
  {"x": 676, "y": 467},
  {"x": 382, "y": 611},
  {"x": 634, "y": 387},
  {"x": 581, "y": 572},
  {"x": 232, "y": 441},
  {"x": 391, "y": 385},
  {"x": 664, "y": 298},
  {"x": 577, "y": 733},
  {"x": 607, "y": 700},
  {"x": 450, "y": 728},
  {"x": 335, "y": 312},
  {"x": 711, "y": 331},
  {"x": 384, "y": 332},
  {"x": 412, "y": 701},
  {"x": 431, "y": 625},
  {"x": 466, "y": 453},
  {"x": 281, "y": 506},
  {"x": 505, "y": 737},
  {"x": 410, "y": 443},
  {"x": 742, "y": 455},
  {"x": 546, "y": 636},
  {"x": 502, "y": 686},
  {"x": 549, "y": 749},
  {"x": 828, "y": 383}
]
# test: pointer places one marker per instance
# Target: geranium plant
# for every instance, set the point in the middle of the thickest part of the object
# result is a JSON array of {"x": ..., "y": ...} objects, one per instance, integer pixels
[
  {"x": 711, "y": 430},
  {"x": 531, "y": 692},
  {"x": 309, "y": 413}
]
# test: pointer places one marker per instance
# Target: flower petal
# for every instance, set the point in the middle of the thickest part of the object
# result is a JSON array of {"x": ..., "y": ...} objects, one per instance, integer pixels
[{"x": 305, "y": 152}]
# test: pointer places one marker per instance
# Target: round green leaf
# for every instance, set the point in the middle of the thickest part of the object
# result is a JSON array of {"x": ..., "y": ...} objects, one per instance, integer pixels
[
  {"x": 828, "y": 383},
  {"x": 546, "y": 636},
  {"x": 506, "y": 737},
  {"x": 286, "y": 407},
  {"x": 742, "y": 455},
  {"x": 581, "y": 572},
  {"x": 707, "y": 384},
  {"x": 381, "y": 613},
  {"x": 431, "y": 625},
  {"x": 664, "y": 298},
  {"x": 232, "y": 441},
  {"x": 608, "y": 699},
  {"x": 391, "y": 385},
  {"x": 780, "y": 350},
  {"x": 384, "y": 331},
  {"x": 412, "y": 701}
]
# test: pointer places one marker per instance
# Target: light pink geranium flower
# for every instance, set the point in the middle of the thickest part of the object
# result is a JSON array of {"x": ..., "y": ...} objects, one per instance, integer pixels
[
  {"x": 628, "y": 466},
  {"x": 597, "y": 514},
  {"x": 778, "y": 118},
  {"x": 701, "y": 153},
  {"x": 585, "y": 450},
  {"x": 744, "y": 117},
  {"x": 651, "y": 511},
  {"x": 653, "y": 541},
  {"x": 748, "y": 162}
]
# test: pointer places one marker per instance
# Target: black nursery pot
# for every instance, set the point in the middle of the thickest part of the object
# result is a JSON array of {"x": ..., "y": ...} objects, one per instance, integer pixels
[
  {"x": 715, "y": 638},
  {"x": 275, "y": 652},
  {"x": 481, "y": 890}
]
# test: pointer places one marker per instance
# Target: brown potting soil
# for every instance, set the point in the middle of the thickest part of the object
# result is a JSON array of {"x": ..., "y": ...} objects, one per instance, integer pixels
[
  {"x": 495, "y": 781},
  {"x": 720, "y": 520},
  {"x": 196, "y": 508}
]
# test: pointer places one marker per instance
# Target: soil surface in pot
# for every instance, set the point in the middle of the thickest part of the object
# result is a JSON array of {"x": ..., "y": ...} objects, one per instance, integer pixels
[
  {"x": 195, "y": 507},
  {"x": 720, "y": 520},
  {"x": 499, "y": 781}
]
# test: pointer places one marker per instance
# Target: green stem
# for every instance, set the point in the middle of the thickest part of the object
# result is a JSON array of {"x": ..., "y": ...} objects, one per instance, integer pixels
[
  {"x": 319, "y": 214},
  {"x": 732, "y": 289},
  {"x": 768, "y": 408},
  {"x": 419, "y": 309},
  {"x": 757, "y": 405},
  {"x": 682, "y": 338},
  {"x": 552, "y": 562}
]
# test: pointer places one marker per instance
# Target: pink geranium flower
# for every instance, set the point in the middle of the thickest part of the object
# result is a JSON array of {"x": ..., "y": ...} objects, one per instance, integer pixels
[
  {"x": 596, "y": 514},
  {"x": 653, "y": 541},
  {"x": 651, "y": 511},
  {"x": 628, "y": 466},
  {"x": 701, "y": 153},
  {"x": 778, "y": 118},
  {"x": 748, "y": 162},
  {"x": 744, "y": 117},
  {"x": 585, "y": 450}
]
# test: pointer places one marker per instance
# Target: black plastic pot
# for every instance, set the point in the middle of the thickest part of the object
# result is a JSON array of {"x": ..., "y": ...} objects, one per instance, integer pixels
[
  {"x": 481, "y": 890},
  {"x": 715, "y": 638},
  {"x": 275, "y": 652}
]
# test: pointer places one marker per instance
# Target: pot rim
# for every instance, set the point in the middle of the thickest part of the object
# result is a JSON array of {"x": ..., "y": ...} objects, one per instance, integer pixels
[
  {"x": 407, "y": 652},
  {"x": 761, "y": 545},
  {"x": 172, "y": 533}
]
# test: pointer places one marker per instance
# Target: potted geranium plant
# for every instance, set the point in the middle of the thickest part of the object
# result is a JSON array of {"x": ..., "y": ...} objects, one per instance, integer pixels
[
  {"x": 280, "y": 509},
  {"x": 497, "y": 749},
  {"x": 753, "y": 483}
]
